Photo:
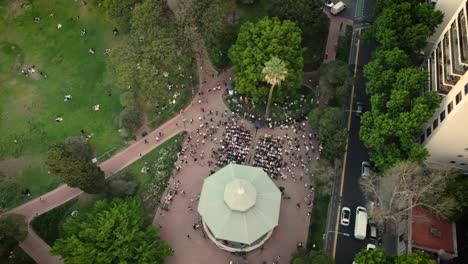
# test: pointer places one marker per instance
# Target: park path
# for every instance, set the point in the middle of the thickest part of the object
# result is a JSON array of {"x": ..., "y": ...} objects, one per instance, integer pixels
[
  {"x": 336, "y": 28},
  {"x": 35, "y": 247}
]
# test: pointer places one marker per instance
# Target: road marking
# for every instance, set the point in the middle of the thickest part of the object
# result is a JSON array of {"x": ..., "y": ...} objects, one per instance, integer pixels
[{"x": 346, "y": 146}]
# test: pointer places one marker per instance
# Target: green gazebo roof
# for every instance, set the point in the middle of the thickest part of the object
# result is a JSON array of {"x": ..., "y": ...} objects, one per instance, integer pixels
[{"x": 239, "y": 203}]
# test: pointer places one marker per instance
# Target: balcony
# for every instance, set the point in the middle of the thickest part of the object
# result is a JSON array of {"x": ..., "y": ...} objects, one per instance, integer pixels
[
  {"x": 457, "y": 67},
  {"x": 449, "y": 78},
  {"x": 439, "y": 69},
  {"x": 463, "y": 36}
]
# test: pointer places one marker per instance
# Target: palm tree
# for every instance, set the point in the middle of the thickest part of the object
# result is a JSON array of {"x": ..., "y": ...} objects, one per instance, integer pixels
[{"x": 273, "y": 73}]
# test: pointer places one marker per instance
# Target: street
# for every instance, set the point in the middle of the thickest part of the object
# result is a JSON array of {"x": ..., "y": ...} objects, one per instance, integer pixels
[{"x": 340, "y": 241}]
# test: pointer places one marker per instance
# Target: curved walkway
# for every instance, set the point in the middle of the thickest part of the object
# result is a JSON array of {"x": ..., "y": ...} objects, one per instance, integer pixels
[{"x": 33, "y": 245}]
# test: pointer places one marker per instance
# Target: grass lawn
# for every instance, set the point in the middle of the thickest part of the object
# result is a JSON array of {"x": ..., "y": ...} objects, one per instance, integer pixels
[
  {"x": 318, "y": 221},
  {"x": 151, "y": 185},
  {"x": 29, "y": 104}
]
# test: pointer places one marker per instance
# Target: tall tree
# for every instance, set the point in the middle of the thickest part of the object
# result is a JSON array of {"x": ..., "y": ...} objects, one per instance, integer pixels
[
  {"x": 406, "y": 25},
  {"x": 273, "y": 73},
  {"x": 116, "y": 231},
  {"x": 336, "y": 81},
  {"x": 405, "y": 186},
  {"x": 144, "y": 63},
  {"x": 13, "y": 230},
  {"x": 328, "y": 122},
  {"x": 258, "y": 43},
  {"x": 72, "y": 161}
]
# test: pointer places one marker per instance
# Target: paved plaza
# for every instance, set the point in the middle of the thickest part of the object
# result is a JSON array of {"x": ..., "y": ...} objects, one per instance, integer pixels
[{"x": 178, "y": 222}]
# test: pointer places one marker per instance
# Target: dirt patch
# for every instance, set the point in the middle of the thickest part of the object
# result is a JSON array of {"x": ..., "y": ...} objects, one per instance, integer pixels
[{"x": 11, "y": 167}]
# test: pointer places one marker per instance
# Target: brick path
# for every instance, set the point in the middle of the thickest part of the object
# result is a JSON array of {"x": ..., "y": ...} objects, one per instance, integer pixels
[
  {"x": 177, "y": 223},
  {"x": 336, "y": 28}
]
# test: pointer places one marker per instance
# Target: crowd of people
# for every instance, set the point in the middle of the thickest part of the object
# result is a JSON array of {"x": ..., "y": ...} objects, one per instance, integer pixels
[
  {"x": 235, "y": 144},
  {"x": 268, "y": 155}
]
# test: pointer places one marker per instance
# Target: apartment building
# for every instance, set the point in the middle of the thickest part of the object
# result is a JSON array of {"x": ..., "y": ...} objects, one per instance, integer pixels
[{"x": 446, "y": 135}]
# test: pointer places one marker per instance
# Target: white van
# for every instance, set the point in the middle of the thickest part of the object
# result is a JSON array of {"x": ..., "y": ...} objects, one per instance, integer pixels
[
  {"x": 360, "y": 227},
  {"x": 337, "y": 8}
]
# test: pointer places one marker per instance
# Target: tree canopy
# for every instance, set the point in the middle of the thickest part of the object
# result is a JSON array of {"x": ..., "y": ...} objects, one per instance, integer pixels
[
  {"x": 377, "y": 256},
  {"x": 391, "y": 129},
  {"x": 72, "y": 161},
  {"x": 328, "y": 122},
  {"x": 256, "y": 44},
  {"x": 307, "y": 14},
  {"x": 309, "y": 17},
  {"x": 143, "y": 63},
  {"x": 274, "y": 73},
  {"x": 336, "y": 81},
  {"x": 13, "y": 230},
  {"x": 405, "y": 24},
  {"x": 114, "y": 231},
  {"x": 405, "y": 186}
]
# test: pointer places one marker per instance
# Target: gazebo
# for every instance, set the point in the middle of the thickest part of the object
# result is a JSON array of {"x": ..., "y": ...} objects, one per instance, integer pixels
[{"x": 239, "y": 206}]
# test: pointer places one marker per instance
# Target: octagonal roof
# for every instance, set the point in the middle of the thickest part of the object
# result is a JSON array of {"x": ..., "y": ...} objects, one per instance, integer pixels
[
  {"x": 240, "y": 195},
  {"x": 239, "y": 203}
]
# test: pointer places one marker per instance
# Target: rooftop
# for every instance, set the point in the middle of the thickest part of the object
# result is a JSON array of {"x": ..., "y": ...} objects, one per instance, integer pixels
[{"x": 431, "y": 231}]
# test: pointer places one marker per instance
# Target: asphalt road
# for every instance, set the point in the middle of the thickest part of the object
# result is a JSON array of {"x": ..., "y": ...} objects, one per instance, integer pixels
[{"x": 346, "y": 245}]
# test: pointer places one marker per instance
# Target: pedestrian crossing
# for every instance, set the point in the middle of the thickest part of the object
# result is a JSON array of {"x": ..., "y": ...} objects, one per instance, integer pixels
[{"x": 359, "y": 12}]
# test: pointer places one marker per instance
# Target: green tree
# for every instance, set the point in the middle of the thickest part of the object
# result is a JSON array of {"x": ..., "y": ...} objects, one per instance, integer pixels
[
  {"x": 381, "y": 71},
  {"x": 256, "y": 44},
  {"x": 119, "y": 12},
  {"x": 209, "y": 17},
  {"x": 73, "y": 163},
  {"x": 376, "y": 256},
  {"x": 115, "y": 231},
  {"x": 328, "y": 122},
  {"x": 336, "y": 81},
  {"x": 144, "y": 63},
  {"x": 391, "y": 132},
  {"x": 13, "y": 230},
  {"x": 273, "y": 73},
  {"x": 309, "y": 17},
  {"x": 306, "y": 14},
  {"x": 405, "y": 24},
  {"x": 415, "y": 257},
  {"x": 456, "y": 188}
]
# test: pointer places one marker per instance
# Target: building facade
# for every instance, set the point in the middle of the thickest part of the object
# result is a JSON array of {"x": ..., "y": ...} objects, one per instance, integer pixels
[{"x": 445, "y": 136}]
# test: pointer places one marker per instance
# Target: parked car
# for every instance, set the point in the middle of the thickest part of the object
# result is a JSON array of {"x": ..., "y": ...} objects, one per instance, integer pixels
[
  {"x": 373, "y": 232},
  {"x": 337, "y": 8},
  {"x": 370, "y": 246},
  {"x": 366, "y": 169},
  {"x": 329, "y": 4},
  {"x": 345, "y": 216},
  {"x": 359, "y": 109}
]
